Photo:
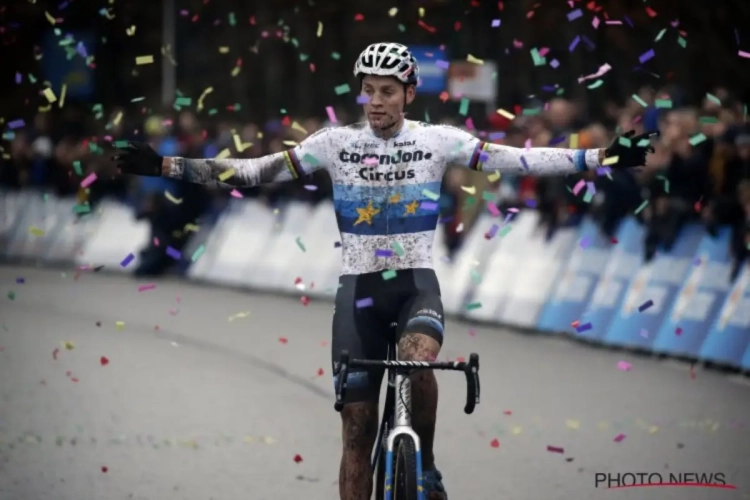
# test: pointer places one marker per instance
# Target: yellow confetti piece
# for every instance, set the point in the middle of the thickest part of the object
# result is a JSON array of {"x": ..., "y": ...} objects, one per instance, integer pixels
[
  {"x": 320, "y": 29},
  {"x": 421, "y": 12},
  {"x": 117, "y": 119},
  {"x": 494, "y": 176},
  {"x": 203, "y": 96},
  {"x": 573, "y": 424},
  {"x": 573, "y": 141},
  {"x": 506, "y": 114},
  {"x": 192, "y": 227},
  {"x": 474, "y": 60},
  {"x": 171, "y": 198},
  {"x": 653, "y": 429},
  {"x": 609, "y": 161},
  {"x": 470, "y": 190},
  {"x": 44, "y": 109},
  {"x": 141, "y": 60},
  {"x": 63, "y": 91},
  {"x": 236, "y": 71},
  {"x": 226, "y": 175},
  {"x": 268, "y": 440},
  {"x": 224, "y": 153},
  {"x": 120, "y": 325},
  {"x": 49, "y": 17},
  {"x": 392, "y": 11},
  {"x": 239, "y": 315},
  {"x": 223, "y": 50},
  {"x": 69, "y": 346},
  {"x": 237, "y": 143},
  {"x": 36, "y": 231},
  {"x": 516, "y": 430},
  {"x": 130, "y": 31},
  {"x": 50, "y": 95},
  {"x": 297, "y": 126},
  {"x": 290, "y": 143}
]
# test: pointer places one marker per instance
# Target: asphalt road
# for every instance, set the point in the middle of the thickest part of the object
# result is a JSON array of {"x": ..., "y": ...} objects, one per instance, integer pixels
[{"x": 199, "y": 403}]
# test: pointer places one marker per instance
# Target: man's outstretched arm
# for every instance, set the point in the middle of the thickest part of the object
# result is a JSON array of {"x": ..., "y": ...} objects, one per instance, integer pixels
[{"x": 278, "y": 167}]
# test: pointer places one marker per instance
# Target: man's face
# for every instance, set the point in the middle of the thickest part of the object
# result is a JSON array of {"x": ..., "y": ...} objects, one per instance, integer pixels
[{"x": 386, "y": 97}]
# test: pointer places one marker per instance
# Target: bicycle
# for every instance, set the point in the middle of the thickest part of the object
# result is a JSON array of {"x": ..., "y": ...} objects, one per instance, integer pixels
[{"x": 395, "y": 434}]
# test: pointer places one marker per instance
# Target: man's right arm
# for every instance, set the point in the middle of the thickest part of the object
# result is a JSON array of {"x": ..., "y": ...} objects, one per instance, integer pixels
[{"x": 305, "y": 158}]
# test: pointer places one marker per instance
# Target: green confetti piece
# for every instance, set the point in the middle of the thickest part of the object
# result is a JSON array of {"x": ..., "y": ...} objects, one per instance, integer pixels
[
  {"x": 708, "y": 119},
  {"x": 476, "y": 277},
  {"x": 12, "y": 295},
  {"x": 643, "y": 143},
  {"x": 303, "y": 57},
  {"x": 473, "y": 305},
  {"x": 232, "y": 19},
  {"x": 81, "y": 209},
  {"x": 469, "y": 202},
  {"x": 640, "y": 101},
  {"x": 310, "y": 160},
  {"x": 504, "y": 231},
  {"x": 183, "y": 101},
  {"x": 660, "y": 35},
  {"x": 463, "y": 109},
  {"x": 398, "y": 249},
  {"x": 596, "y": 84},
  {"x": 121, "y": 144},
  {"x": 713, "y": 98},
  {"x": 588, "y": 196},
  {"x": 531, "y": 111},
  {"x": 198, "y": 252},
  {"x": 32, "y": 79},
  {"x": 641, "y": 207},
  {"x": 538, "y": 59},
  {"x": 212, "y": 112},
  {"x": 663, "y": 103},
  {"x": 624, "y": 141},
  {"x": 560, "y": 92},
  {"x": 488, "y": 196},
  {"x": 682, "y": 42},
  {"x": 401, "y": 28},
  {"x": 342, "y": 89},
  {"x": 300, "y": 244},
  {"x": 426, "y": 116},
  {"x": 335, "y": 55},
  {"x": 388, "y": 275},
  {"x": 429, "y": 194},
  {"x": 697, "y": 139}
]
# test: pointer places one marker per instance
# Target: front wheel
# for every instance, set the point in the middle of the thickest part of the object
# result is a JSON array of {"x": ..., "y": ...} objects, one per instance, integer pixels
[{"x": 405, "y": 469}]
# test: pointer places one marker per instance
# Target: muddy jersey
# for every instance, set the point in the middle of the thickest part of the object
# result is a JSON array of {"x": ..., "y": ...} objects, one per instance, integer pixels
[{"x": 385, "y": 191}]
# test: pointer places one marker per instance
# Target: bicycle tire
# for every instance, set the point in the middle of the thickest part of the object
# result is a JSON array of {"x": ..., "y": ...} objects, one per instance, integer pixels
[{"x": 405, "y": 469}]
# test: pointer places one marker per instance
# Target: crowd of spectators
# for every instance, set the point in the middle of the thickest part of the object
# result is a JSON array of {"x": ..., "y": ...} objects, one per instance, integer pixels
[{"x": 700, "y": 170}]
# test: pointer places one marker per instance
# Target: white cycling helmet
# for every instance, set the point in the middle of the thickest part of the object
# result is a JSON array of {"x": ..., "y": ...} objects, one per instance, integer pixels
[{"x": 388, "y": 59}]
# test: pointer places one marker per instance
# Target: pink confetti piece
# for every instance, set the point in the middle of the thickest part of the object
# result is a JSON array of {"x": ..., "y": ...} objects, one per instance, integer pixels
[
  {"x": 602, "y": 69},
  {"x": 149, "y": 286},
  {"x": 624, "y": 366},
  {"x": 156, "y": 242},
  {"x": 513, "y": 210},
  {"x": 618, "y": 438},
  {"x": 470, "y": 124},
  {"x": 492, "y": 208},
  {"x": 579, "y": 185},
  {"x": 595, "y": 22},
  {"x": 555, "y": 449},
  {"x": 235, "y": 193},
  {"x": 371, "y": 161},
  {"x": 472, "y": 332},
  {"x": 527, "y": 144},
  {"x": 89, "y": 180},
  {"x": 678, "y": 331},
  {"x": 744, "y": 54},
  {"x": 311, "y": 187},
  {"x": 331, "y": 114}
]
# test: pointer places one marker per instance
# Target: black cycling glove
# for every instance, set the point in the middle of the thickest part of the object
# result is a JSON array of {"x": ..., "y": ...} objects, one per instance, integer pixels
[
  {"x": 630, "y": 149},
  {"x": 137, "y": 158}
]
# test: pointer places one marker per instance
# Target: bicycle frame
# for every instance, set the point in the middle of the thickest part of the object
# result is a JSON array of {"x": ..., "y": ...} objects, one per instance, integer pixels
[{"x": 400, "y": 395}]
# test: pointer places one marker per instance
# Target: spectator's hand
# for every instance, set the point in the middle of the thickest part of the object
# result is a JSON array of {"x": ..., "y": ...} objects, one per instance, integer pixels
[
  {"x": 629, "y": 150},
  {"x": 137, "y": 158}
]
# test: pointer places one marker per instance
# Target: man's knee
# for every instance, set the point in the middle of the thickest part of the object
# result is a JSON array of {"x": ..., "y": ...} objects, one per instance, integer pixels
[
  {"x": 360, "y": 426},
  {"x": 418, "y": 347}
]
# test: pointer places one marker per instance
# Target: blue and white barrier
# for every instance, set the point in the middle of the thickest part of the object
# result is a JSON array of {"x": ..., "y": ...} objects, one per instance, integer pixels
[{"x": 681, "y": 304}]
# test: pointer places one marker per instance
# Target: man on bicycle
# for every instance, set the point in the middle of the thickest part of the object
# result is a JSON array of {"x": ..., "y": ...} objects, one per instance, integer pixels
[{"x": 386, "y": 175}]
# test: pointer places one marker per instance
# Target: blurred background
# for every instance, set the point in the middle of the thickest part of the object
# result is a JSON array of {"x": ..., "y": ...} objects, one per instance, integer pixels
[{"x": 204, "y": 78}]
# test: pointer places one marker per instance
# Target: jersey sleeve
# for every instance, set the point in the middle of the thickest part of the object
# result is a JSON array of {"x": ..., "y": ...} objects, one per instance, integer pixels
[
  {"x": 471, "y": 152},
  {"x": 305, "y": 158}
]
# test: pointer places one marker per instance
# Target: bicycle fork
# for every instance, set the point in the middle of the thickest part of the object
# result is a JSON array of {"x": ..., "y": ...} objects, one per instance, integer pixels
[{"x": 402, "y": 426}]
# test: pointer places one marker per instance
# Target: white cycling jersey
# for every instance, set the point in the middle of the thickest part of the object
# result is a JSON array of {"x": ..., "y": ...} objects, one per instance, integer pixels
[{"x": 385, "y": 192}]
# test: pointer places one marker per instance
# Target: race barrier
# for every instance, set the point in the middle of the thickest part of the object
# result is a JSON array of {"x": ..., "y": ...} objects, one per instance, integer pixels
[{"x": 682, "y": 303}]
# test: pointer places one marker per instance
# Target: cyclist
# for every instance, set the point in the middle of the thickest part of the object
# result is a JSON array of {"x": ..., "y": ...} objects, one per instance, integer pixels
[{"x": 386, "y": 174}]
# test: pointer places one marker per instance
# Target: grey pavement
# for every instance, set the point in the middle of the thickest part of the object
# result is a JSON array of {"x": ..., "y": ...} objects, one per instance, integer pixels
[{"x": 201, "y": 400}]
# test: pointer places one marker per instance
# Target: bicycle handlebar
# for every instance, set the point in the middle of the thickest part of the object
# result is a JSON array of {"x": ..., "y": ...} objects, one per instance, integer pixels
[{"x": 470, "y": 369}]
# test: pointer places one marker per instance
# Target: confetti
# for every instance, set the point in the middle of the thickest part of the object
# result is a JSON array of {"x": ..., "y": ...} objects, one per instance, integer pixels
[
  {"x": 624, "y": 366},
  {"x": 147, "y": 287},
  {"x": 618, "y": 438},
  {"x": 297, "y": 459},
  {"x": 141, "y": 60},
  {"x": 174, "y": 253},
  {"x": 495, "y": 443},
  {"x": 555, "y": 449},
  {"x": 645, "y": 305},
  {"x": 300, "y": 244},
  {"x": 103, "y": 361},
  {"x": 226, "y": 175},
  {"x": 362, "y": 303},
  {"x": 583, "y": 328},
  {"x": 473, "y": 305},
  {"x": 171, "y": 198},
  {"x": 127, "y": 260}
]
